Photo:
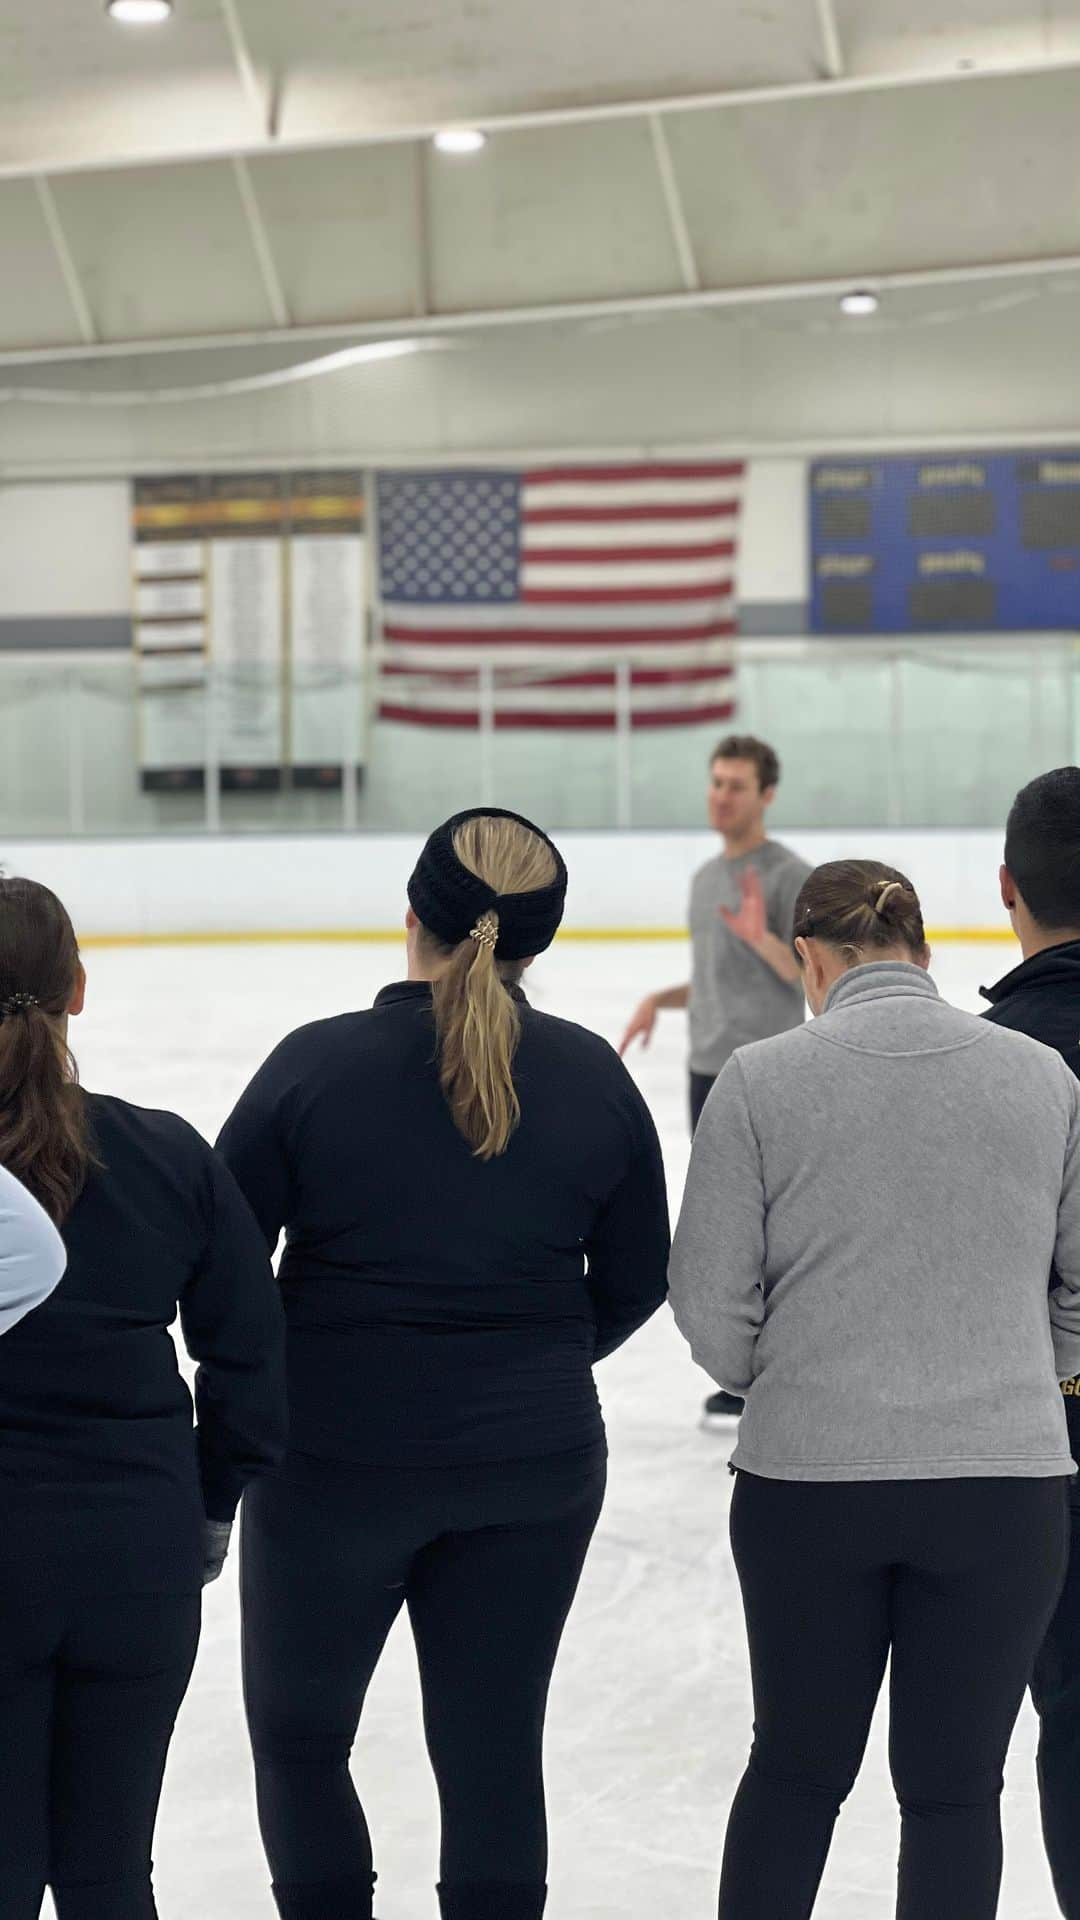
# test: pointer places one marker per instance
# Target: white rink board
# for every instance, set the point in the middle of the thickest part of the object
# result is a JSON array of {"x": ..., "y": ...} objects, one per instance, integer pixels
[
  {"x": 336, "y": 882},
  {"x": 650, "y": 1713}
]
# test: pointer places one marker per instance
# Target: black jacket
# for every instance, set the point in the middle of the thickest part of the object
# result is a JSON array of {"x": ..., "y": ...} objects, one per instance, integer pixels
[
  {"x": 104, "y": 1481},
  {"x": 442, "y": 1309},
  {"x": 1042, "y": 997}
]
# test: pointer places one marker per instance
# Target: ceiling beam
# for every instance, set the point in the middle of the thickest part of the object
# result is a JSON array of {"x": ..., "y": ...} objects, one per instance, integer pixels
[
  {"x": 448, "y": 326},
  {"x": 260, "y": 242},
  {"x": 327, "y": 140},
  {"x": 422, "y": 227},
  {"x": 261, "y": 108},
  {"x": 830, "y": 39},
  {"x": 65, "y": 260},
  {"x": 673, "y": 202},
  {"x": 742, "y": 447}
]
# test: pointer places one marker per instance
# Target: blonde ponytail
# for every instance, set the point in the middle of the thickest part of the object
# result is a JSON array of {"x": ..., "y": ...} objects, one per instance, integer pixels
[{"x": 476, "y": 1019}]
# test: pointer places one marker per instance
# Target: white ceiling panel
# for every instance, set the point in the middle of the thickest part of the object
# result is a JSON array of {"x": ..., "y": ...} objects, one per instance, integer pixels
[
  {"x": 571, "y": 213},
  {"x": 75, "y": 87},
  {"x": 893, "y": 36},
  {"x": 343, "y": 229},
  {"x": 405, "y": 63},
  {"x": 924, "y": 177},
  {"x": 163, "y": 251}
]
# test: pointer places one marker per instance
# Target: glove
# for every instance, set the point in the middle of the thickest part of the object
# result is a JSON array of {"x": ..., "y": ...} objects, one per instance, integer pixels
[{"x": 216, "y": 1537}]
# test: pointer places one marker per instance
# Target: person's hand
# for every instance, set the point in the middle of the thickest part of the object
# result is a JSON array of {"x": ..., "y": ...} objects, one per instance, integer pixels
[
  {"x": 216, "y": 1537},
  {"x": 750, "y": 922},
  {"x": 641, "y": 1025}
]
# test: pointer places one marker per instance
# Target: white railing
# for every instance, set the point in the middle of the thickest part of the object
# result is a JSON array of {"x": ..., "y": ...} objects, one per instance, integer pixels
[{"x": 924, "y": 732}]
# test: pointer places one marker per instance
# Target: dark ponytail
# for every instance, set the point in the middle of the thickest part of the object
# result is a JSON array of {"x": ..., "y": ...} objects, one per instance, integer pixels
[{"x": 43, "y": 1125}]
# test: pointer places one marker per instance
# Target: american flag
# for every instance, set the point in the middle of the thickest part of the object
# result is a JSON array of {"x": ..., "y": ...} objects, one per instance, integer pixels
[{"x": 553, "y": 576}]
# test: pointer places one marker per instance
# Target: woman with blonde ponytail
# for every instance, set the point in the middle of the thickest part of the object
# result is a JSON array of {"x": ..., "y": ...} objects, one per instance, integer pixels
[
  {"x": 114, "y": 1508},
  {"x": 473, "y": 1201}
]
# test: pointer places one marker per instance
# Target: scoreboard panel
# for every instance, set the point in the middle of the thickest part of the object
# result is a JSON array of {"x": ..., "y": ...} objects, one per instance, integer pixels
[{"x": 955, "y": 543}]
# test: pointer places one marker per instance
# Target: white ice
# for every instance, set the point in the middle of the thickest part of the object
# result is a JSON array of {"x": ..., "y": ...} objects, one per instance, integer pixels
[{"x": 650, "y": 1713}]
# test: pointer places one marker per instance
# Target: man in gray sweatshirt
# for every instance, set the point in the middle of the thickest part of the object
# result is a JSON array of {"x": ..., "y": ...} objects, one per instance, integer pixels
[{"x": 745, "y": 984}]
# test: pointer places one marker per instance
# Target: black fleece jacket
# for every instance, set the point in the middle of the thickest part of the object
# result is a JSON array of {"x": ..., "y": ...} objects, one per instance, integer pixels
[{"x": 445, "y": 1310}]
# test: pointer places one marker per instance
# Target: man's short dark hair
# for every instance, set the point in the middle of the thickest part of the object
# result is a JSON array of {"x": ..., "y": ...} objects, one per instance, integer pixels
[
  {"x": 1042, "y": 847},
  {"x": 746, "y": 746}
]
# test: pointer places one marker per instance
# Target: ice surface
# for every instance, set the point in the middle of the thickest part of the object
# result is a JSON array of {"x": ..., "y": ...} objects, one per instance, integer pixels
[{"x": 650, "y": 1712}]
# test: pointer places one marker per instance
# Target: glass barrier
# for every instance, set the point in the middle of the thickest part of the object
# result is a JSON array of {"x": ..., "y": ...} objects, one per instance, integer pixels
[{"x": 908, "y": 733}]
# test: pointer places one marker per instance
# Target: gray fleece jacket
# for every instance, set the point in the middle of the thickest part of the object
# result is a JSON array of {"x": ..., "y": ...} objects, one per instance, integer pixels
[{"x": 873, "y": 1207}]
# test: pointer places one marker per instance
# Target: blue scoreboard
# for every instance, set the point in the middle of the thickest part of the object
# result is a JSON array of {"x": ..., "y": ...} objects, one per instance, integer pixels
[{"x": 965, "y": 543}]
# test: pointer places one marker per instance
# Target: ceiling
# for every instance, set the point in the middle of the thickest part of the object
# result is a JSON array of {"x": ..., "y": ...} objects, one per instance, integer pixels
[{"x": 259, "y": 173}]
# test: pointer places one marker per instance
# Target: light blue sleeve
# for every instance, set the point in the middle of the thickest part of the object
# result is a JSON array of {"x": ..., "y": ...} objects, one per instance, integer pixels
[
  {"x": 32, "y": 1254},
  {"x": 716, "y": 1277}
]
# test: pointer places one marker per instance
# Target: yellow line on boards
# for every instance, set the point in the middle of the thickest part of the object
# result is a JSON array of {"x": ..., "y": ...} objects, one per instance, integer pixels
[{"x": 381, "y": 936}]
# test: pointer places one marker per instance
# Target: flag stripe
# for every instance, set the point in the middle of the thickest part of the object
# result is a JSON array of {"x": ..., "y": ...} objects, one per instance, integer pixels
[
  {"x": 647, "y": 470},
  {"x": 570, "y": 719},
  {"x": 589, "y": 626},
  {"x": 623, "y": 558},
  {"x": 629, "y": 493},
  {"x": 587, "y": 516},
  {"x": 549, "y": 659},
  {"x": 614, "y": 596},
  {"x": 596, "y": 677}
]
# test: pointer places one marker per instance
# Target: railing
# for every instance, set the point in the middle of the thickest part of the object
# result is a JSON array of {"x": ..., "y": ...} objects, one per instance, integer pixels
[{"x": 927, "y": 732}]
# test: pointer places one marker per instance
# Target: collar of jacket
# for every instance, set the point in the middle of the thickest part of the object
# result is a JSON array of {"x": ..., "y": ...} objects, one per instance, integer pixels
[
  {"x": 1052, "y": 964},
  {"x": 419, "y": 992},
  {"x": 880, "y": 980}
]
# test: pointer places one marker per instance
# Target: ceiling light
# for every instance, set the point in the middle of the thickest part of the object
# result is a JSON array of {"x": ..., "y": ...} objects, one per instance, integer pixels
[
  {"x": 460, "y": 140},
  {"x": 859, "y": 302},
  {"x": 139, "y": 13}
]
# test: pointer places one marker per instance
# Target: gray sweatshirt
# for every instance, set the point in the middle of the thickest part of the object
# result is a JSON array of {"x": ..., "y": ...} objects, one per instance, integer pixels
[{"x": 873, "y": 1206}]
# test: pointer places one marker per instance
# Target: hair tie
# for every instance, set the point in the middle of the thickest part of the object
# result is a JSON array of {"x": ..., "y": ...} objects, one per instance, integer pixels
[
  {"x": 485, "y": 932},
  {"x": 886, "y": 887},
  {"x": 16, "y": 1003}
]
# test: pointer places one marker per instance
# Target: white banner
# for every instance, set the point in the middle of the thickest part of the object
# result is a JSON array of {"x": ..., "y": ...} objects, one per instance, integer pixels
[
  {"x": 168, "y": 557},
  {"x": 246, "y": 652},
  {"x": 170, "y": 636},
  {"x": 172, "y": 721},
  {"x": 167, "y": 600},
  {"x": 327, "y": 646}
]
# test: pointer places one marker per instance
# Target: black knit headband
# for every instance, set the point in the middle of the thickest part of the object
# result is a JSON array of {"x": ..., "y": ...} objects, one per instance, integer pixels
[{"x": 449, "y": 900}]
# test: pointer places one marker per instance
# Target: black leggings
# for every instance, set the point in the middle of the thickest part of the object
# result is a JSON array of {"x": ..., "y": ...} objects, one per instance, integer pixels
[
  {"x": 701, "y": 1085},
  {"x": 89, "y": 1693},
  {"x": 957, "y": 1579},
  {"x": 487, "y": 1560}
]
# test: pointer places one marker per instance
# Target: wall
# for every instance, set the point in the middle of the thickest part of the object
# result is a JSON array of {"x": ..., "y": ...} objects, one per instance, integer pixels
[
  {"x": 65, "y": 566},
  {"x": 630, "y": 883}
]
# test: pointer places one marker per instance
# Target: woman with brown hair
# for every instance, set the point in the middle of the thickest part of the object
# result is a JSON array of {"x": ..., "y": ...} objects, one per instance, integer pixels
[
  {"x": 113, "y": 1511},
  {"x": 874, "y": 1206},
  {"x": 473, "y": 1200}
]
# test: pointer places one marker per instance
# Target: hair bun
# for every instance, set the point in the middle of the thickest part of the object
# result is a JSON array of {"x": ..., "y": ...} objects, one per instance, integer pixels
[{"x": 883, "y": 898}]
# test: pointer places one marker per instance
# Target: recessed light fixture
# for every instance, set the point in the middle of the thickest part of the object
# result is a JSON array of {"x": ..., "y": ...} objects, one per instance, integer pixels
[
  {"x": 859, "y": 303},
  {"x": 460, "y": 140},
  {"x": 139, "y": 13}
]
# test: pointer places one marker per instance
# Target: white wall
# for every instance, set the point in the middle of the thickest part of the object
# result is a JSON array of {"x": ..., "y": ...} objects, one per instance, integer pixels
[
  {"x": 340, "y": 883},
  {"x": 65, "y": 549}
]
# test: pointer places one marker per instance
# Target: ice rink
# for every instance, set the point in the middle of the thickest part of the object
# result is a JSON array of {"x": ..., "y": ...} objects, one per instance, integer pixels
[{"x": 650, "y": 1714}]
